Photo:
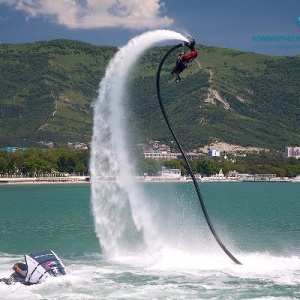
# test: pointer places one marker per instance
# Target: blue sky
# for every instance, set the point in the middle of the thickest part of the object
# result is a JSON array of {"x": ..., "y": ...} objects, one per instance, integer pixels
[{"x": 236, "y": 24}]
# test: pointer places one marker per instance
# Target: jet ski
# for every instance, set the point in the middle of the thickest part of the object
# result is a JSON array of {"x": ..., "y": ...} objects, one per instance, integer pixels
[{"x": 38, "y": 268}]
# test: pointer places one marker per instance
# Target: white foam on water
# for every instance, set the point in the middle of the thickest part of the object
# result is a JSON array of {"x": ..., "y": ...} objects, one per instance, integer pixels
[{"x": 167, "y": 273}]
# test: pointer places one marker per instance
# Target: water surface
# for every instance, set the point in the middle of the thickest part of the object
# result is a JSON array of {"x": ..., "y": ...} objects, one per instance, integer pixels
[{"x": 258, "y": 222}]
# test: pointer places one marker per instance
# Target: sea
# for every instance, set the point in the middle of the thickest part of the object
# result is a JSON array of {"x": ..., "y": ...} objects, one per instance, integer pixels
[{"x": 259, "y": 222}]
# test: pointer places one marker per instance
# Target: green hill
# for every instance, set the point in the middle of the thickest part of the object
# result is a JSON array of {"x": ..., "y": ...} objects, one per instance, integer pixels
[
  {"x": 241, "y": 98},
  {"x": 47, "y": 89}
]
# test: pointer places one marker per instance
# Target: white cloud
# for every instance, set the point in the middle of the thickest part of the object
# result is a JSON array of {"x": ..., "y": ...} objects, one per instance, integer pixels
[{"x": 136, "y": 14}]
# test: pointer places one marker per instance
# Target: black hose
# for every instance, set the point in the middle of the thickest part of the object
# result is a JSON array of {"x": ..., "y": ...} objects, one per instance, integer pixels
[{"x": 185, "y": 158}]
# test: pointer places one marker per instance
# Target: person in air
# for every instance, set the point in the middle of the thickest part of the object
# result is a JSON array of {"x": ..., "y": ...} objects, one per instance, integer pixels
[
  {"x": 183, "y": 59},
  {"x": 19, "y": 275}
]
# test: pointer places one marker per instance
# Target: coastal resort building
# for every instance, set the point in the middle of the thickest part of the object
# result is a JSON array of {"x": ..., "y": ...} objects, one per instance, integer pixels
[
  {"x": 292, "y": 152},
  {"x": 170, "y": 173},
  {"x": 161, "y": 155}
]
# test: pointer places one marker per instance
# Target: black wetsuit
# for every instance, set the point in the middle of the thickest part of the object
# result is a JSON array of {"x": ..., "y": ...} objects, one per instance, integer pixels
[{"x": 14, "y": 278}]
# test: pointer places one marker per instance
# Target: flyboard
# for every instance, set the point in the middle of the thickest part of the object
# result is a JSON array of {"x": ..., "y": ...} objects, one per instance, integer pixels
[
  {"x": 43, "y": 265},
  {"x": 162, "y": 107}
]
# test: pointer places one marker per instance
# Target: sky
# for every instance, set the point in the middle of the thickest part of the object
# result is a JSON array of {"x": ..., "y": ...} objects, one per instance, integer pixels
[{"x": 263, "y": 26}]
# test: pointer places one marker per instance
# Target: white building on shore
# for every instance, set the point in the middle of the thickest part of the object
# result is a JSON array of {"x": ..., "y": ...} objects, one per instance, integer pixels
[
  {"x": 292, "y": 152},
  {"x": 161, "y": 155},
  {"x": 170, "y": 173}
]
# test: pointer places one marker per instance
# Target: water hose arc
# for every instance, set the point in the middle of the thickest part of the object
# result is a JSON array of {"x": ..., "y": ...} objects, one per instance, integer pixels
[{"x": 186, "y": 160}]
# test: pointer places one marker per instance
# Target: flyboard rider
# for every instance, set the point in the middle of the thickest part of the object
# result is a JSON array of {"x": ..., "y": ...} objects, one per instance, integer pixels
[{"x": 183, "y": 59}]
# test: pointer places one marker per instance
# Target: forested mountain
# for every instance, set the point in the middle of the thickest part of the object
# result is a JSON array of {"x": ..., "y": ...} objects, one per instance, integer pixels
[{"x": 47, "y": 91}]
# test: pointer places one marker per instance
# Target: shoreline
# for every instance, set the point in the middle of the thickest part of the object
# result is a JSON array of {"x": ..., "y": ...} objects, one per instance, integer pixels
[
  {"x": 44, "y": 180},
  {"x": 148, "y": 179}
]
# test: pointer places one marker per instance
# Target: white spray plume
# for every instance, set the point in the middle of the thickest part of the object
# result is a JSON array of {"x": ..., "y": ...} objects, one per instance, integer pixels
[{"x": 118, "y": 207}]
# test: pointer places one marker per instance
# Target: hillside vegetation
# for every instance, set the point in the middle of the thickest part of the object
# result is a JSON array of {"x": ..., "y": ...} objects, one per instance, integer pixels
[
  {"x": 47, "y": 89},
  {"x": 242, "y": 98}
]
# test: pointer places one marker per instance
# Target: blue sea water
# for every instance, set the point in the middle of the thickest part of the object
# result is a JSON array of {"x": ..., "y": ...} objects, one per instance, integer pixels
[{"x": 258, "y": 222}]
